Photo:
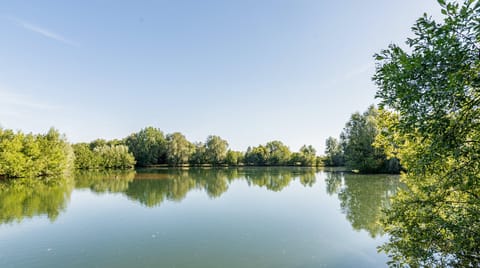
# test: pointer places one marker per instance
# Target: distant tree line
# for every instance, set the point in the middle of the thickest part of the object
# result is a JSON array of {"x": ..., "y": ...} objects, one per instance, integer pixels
[
  {"x": 358, "y": 148},
  {"x": 42, "y": 155},
  {"x": 150, "y": 146}
]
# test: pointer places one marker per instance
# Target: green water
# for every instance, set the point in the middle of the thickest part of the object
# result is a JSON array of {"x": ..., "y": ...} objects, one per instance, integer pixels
[{"x": 252, "y": 217}]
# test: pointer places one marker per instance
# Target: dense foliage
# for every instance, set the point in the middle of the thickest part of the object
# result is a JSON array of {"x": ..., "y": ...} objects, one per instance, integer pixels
[
  {"x": 148, "y": 146},
  {"x": 275, "y": 153},
  {"x": 333, "y": 153},
  {"x": 179, "y": 149},
  {"x": 29, "y": 155},
  {"x": 93, "y": 156},
  {"x": 431, "y": 96},
  {"x": 357, "y": 148}
]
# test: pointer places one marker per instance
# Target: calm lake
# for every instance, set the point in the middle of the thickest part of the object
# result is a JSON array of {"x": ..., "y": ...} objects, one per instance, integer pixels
[{"x": 246, "y": 217}]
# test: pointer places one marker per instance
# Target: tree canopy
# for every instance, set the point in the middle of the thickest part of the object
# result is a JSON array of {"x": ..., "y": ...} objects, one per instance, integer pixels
[
  {"x": 432, "y": 92},
  {"x": 148, "y": 146},
  {"x": 29, "y": 155},
  {"x": 358, "y": 148}
]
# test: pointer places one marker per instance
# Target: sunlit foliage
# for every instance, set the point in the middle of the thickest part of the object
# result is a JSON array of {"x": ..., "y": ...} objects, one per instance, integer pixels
[
  {"x": 29, "y": 155},
  {"x": 432, "y": 92}
]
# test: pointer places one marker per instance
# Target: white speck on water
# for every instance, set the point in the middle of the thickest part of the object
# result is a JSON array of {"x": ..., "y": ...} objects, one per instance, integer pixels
[
  {"x": 153, "y": 236},
  {"x": 49, "y": 249}
]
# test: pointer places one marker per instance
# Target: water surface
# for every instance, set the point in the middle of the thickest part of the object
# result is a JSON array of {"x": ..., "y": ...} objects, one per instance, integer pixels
[{"x": 248, "y": 217}]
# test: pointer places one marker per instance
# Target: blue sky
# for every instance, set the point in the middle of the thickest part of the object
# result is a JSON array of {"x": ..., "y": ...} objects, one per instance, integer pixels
[{"x": 249, "y": 71}]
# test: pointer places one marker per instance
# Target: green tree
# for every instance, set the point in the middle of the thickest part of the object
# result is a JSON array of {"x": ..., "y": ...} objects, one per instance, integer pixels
[
  {"x": 199, "y": 156},
  {"x": 308, "y": 155},
  {"x": 179, "y": 149},
  {"x": 216, "y": 150},
  {"x": 234, "y": 158},
  {"x": 278, "y": 153},
  {"x": 85, "y": 158},
  {"x": 357, "y": 139},
  {"x": 115, "y": 157},
  {"x": 56, "y": 155},
  {"x": 148, "y": 146},
  {"x": 433, "y": 90},
  {"x": 256, "y": 156},
  {"x": 103, "y": 156},
  {"x": 12, "y": 159},
  {"x": 333, "y": 152},
  {"x": 34, "y": 155}
]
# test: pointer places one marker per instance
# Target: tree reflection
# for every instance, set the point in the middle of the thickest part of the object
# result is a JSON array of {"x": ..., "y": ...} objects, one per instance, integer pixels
[
  {"x": 276, "y": 179},
  {"x": 151, "y": 187},
  {"x": 153, "y": 191},
  {"x": 25, "y": 198},
  {"x": 29, "y": 197},
  {"x": 363, "y": 198},
  {"x": 333, "y": 182},
  {"x": 104, "y": 181}
]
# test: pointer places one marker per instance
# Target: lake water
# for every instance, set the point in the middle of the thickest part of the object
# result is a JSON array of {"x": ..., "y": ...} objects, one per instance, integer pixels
[{"x": 246, "y": 217}]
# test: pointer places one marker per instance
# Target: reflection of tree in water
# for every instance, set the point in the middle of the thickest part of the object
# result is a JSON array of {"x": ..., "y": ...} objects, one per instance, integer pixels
[
  {"x": 152, "y": 192},
  {"x": 214, "y": 183},
  {"x": 276, "y": 179},
  {"x": 151, "y": 187},
  {"x": 26, "y": 198},
  {"x": 333, "y": 182},
  {"x": 363, "y": 197},
  {"x": 308, "y": 178},
  {"x": 104, "y": 181}
]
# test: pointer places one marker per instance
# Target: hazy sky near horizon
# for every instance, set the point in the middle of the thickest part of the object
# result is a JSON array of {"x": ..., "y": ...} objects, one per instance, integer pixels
[{"x": 250, "y": 71}]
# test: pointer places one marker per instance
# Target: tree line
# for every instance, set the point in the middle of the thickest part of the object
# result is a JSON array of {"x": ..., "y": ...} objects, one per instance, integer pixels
[
  {"x": 150, "y": 147},
  {"x": 44, "y": 155}
]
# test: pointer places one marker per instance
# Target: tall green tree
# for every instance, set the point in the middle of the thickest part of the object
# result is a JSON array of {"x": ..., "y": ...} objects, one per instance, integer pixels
[
  {"x": 179, "y": 149},
  {"x": 433, "y": 89},
  {"x": 148, "y": 146},
  {"x": 358, "y": 139},
  {"x": 85, "y": 158},
  {"x": 278, "y": 153},
  {"x": 308, "y": 154},
  {"x": 234, "y": 158},
  {"x": 216, "y": 150},
  {"x": 199, "y": 156},
  {"x": 256, "y": 156},
  {"x": 333, "y": 152}
]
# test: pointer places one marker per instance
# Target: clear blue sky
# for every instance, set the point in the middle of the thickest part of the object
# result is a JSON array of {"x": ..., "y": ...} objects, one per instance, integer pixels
[{"x": 249, "y": 71}]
